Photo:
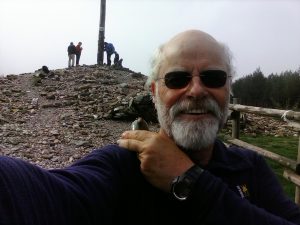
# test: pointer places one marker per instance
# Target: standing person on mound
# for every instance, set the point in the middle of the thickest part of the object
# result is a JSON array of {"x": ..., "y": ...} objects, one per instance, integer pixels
[
  {"x": 71, "y": 54},
  {"x": 78, "y": 52}
]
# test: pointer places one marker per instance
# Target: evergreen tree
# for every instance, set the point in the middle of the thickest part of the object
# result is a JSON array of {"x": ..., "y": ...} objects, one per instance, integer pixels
[{"x": 274, "y": 91}]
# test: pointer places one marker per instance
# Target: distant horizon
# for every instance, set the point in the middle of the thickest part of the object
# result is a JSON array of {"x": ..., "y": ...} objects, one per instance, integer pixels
[{"x": 235, "y": 78}]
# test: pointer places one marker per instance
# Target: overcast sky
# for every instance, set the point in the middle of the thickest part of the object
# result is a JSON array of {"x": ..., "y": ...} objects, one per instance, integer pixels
[{"x": 260, "y": 33}]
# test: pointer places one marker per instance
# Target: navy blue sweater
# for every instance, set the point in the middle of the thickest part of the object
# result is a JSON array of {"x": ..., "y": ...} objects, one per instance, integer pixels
[{"x": 106, "y": 187}]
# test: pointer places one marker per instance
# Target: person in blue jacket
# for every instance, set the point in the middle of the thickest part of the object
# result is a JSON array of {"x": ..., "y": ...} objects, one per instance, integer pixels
[
  {"x": 180, "y": 175},
  {"x": 110, "y": 49}
]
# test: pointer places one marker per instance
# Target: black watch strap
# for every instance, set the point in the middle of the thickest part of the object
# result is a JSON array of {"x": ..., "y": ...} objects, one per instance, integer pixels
[{"x": 183, "y": 185}]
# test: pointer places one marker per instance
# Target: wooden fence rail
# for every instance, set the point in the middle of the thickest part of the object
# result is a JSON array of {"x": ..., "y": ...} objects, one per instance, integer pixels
[
  {"x": 278, "y": 113},
  {"x": 286, "y": 162},
  {"x": 292, "y": 167}
]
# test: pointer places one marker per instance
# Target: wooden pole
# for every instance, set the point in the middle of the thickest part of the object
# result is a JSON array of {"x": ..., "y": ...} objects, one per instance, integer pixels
[
  {"x": 235, "y": 121},
  {"x": 292, "y": 176},
  {"x": 277, "y": 113},
  {"x": 297, "y": 191},
  {"x": 101, "y": 33},
  {"x": 284, "y": 161}
]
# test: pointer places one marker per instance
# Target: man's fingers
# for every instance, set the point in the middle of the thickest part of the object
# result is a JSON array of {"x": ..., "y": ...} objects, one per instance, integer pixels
[
  {"x": 130, "y": 144},
  {"x": 140, "y": 135}
]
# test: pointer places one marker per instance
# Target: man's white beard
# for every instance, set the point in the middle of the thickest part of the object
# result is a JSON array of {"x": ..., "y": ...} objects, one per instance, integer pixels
[{"x": 191, "y": 135}]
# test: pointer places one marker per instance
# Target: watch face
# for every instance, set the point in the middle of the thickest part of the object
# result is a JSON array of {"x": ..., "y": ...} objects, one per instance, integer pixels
[
  {"x": 181, "y": 189},
  {"x": 182, "y": 185}
]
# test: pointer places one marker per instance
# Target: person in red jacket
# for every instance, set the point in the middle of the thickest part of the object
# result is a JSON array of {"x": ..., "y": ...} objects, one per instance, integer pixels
[{"x": 78, "y": 52}]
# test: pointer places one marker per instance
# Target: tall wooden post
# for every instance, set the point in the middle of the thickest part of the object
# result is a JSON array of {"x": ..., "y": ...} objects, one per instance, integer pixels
[
  {"x": 101, "y": 33},
  {"x": 297, "y": 191},
  {"x": 235, "y": 121}
]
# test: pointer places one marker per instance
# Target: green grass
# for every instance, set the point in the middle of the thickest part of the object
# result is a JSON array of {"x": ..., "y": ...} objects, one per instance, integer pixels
[{"x": 285, "y": 146}]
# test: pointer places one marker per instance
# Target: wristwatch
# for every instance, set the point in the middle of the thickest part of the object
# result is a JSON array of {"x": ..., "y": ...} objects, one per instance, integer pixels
[{"x": 182, "y": 185}]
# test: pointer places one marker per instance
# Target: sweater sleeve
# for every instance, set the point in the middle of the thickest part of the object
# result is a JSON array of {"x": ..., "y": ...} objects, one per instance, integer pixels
[
  {"x": 220, "y": 205},
  {"x": 74, "y": 195},
  {"x": 31, "y": 195}
]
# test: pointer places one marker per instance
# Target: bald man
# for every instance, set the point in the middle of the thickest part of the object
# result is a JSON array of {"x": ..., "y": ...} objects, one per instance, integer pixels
[{"x": 180, "y": 175}]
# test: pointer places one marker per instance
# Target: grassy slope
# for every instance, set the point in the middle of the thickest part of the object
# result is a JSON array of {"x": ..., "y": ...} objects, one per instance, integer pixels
[{"x": 285, "y": 146}]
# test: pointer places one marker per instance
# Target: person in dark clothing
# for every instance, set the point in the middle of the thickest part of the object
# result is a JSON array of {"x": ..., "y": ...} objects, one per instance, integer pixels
[
  {"x": 71, "y": 54},
  {"x": 110, "y": 49},
  {"x": 78, "y": 52},
  {"x": 180, "y": 175}
]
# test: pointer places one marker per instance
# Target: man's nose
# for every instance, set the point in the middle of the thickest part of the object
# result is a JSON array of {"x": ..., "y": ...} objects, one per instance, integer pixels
[{"x": 196, "y": 88}]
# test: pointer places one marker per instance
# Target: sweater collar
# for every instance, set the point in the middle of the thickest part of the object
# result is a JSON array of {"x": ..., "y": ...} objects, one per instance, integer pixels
[{"x": 231, "y": 159}]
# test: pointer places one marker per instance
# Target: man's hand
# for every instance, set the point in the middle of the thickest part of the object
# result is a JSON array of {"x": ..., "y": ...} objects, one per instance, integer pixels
[{"x": 161, "y": 160}]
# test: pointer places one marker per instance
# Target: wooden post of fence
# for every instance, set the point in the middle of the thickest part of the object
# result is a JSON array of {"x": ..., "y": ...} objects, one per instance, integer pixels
[
  {"x": 297, "y": 191},
  {"x": 235, "y": 121}
]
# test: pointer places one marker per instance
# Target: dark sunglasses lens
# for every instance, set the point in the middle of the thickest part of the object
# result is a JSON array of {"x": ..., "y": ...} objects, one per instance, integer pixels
[
  {"x": 176, "y": 80},
  {"x": 213, "y": 78}
]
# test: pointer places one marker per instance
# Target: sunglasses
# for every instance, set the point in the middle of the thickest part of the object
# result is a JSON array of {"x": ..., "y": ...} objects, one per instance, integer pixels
[{"x": 210, "y": 78}]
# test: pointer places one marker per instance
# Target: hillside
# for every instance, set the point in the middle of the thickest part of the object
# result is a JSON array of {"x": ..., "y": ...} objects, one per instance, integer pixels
[{"x": 52, "y": 119}]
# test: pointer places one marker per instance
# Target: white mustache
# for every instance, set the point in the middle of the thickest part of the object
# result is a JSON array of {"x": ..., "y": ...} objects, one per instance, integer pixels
[{"x": 203, "y": 105}]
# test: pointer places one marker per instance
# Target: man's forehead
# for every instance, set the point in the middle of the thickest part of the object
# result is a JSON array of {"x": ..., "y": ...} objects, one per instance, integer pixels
[
  {"x": 192, "y": 42},
  {"x": 192, "y": 47},
  {"x": 192, "y": 34}
]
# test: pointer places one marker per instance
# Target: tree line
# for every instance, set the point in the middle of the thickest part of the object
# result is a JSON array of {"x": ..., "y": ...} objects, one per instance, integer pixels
[{"x": 278, "y": 91}]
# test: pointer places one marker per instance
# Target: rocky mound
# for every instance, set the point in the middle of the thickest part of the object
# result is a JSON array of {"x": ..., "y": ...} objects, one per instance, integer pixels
[{"x": 52, "y": 118}]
